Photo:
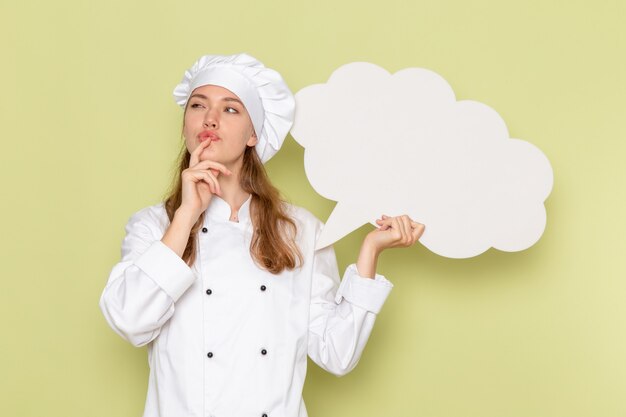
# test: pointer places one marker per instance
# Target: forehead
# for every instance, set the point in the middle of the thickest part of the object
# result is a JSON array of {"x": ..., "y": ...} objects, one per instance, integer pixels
[{"x": 214, "y": 92}]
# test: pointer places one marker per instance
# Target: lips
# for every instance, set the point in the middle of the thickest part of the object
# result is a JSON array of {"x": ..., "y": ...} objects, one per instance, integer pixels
[{"x": 208, "y": 135}]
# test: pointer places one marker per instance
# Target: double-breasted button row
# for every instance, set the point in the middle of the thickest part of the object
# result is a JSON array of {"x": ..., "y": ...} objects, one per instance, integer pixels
[
  {"x": 263, "y": 352},
  {"x": 262, "y": 415},
  {"x": 210, "y": 291}
]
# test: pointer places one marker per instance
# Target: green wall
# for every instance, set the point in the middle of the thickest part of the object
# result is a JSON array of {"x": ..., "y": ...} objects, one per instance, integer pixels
[{"x": 89, "y": 135}]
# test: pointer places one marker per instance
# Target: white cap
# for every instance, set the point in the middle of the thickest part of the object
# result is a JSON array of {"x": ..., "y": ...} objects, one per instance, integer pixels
[{"x": 262, "y": 90}]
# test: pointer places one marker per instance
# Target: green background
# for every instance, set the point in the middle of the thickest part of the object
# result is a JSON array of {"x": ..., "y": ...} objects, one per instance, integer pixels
[{"x": 90, "y": 132}]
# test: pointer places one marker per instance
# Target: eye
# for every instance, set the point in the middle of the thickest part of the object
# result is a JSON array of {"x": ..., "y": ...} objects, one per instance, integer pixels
[
  {"x": 228, "y": 109},
  {"x": 194, "y": 105}
]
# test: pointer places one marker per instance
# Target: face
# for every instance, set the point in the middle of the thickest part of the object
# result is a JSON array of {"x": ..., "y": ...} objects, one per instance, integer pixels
[{"x": 214, "y": 113}]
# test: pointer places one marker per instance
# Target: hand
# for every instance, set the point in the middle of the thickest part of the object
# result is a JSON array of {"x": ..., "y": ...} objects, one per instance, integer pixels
[
  {"x": 394, "y": 232},
  {"x": 199, "y": 182}
]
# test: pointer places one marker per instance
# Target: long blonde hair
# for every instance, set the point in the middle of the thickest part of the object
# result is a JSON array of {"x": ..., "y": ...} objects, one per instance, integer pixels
[{"x": 273, "y": 245}]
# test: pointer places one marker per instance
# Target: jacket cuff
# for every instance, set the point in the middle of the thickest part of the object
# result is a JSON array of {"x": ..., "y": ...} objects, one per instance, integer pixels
[
  {"x": 367, "y": 293},
  {"x": 166, "y": 268}
]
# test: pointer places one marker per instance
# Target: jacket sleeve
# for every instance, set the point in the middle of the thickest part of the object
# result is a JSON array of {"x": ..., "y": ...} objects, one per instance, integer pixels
[
  {"x": 142, "y": 289},
  {"x": 342, "y": 314}
]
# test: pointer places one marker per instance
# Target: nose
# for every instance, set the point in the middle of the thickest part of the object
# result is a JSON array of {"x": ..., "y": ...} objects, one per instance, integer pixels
[{"x": 210, "y": 120}]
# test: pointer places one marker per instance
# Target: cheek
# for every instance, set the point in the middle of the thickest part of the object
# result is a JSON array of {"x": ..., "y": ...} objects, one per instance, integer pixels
[
  {"x": 188, "y": 125},
  {"x": 188, "y": 138},
  {"x": 192, "y": 117}
]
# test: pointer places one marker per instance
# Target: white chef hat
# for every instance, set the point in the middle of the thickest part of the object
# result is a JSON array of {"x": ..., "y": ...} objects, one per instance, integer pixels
[{"x": 262, "y": 90}]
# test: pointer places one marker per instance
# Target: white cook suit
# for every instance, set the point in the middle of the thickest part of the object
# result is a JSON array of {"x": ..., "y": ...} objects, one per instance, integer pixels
[{"x": 226, "y": 338}]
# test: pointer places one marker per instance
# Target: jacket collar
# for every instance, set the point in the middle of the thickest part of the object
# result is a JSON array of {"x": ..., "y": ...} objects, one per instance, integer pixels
[{"x": 219, "y": 210}]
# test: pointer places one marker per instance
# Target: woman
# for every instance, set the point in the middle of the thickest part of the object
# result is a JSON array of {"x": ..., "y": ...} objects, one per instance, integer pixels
[{"x": 222, "y": 281}]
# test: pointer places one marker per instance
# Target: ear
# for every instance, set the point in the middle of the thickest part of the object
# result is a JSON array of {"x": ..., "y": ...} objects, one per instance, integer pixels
[{"x": 253, "y": 139}]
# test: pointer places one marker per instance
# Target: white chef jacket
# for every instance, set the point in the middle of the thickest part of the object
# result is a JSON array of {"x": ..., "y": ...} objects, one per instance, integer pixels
[{"x": 229, "y": 339}]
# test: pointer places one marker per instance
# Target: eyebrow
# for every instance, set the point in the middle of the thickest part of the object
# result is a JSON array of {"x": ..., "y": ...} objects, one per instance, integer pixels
[{"x": 224, "y": 99}]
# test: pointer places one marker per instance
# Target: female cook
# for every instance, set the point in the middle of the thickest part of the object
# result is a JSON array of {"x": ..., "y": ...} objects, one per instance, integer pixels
[{"x": 221, "y": 280}]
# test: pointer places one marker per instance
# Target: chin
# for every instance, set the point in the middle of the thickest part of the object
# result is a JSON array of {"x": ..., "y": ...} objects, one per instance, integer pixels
[
  {"x": 213, "y": 156},
  {"x": 208, "y": 151}
]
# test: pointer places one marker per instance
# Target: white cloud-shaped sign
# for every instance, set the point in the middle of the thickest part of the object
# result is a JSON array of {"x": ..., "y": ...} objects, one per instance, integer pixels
[{"x": 396, "y": 144}]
